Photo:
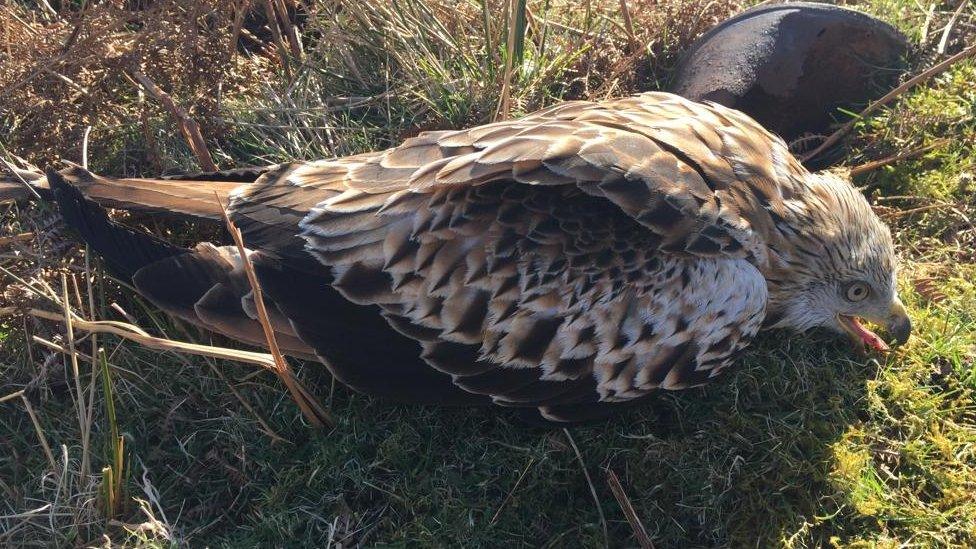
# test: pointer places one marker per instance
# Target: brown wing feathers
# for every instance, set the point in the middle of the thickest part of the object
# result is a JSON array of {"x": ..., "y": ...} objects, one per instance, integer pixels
[
  {"x": 208, "y": 287},
  {"x": 193, "y": 198},
  {"x": 563, "y": 261},
  {"x": 355, "y": 341},
  {"x": 456, "y": 246}
]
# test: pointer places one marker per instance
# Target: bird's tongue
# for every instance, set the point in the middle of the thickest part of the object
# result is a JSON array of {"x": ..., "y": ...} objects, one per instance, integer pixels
[{"x": 869, "y": 338}]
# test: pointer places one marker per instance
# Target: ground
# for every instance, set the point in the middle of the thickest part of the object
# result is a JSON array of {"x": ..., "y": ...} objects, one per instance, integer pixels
[{"x": 805, "y": 444}]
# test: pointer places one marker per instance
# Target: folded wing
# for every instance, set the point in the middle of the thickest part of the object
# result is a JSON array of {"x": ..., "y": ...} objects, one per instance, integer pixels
[{"x": 581, "y": 256}]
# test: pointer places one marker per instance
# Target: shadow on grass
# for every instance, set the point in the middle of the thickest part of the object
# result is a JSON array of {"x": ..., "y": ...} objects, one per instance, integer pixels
[{"x": 742, "y": 462}]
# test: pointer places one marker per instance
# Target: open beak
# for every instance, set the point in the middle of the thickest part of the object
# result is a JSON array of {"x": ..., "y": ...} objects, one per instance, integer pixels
[{"x": 898, "y": 324}]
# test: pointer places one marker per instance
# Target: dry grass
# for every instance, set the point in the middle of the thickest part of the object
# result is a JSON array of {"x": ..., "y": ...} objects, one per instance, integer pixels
[
  {"x": 66, "y": 70},
  {"x": 802, "y": 446},
  {"x": 375, "y": 73}
]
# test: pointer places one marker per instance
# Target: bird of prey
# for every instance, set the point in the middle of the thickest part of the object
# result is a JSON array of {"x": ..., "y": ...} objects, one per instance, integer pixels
[{"x": 582, "y": 257}]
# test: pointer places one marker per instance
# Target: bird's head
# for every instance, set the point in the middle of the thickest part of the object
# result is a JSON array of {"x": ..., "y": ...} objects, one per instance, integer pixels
[{"x": 834, "y": 265}]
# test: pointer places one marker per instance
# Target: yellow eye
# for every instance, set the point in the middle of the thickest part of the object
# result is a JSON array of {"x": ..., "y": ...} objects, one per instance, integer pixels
[{"x": 857, "y": 291}]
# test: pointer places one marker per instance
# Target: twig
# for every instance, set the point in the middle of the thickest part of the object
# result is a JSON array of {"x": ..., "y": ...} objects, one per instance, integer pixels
[
  {"x": 240, "y": 10},
  {"x": 910, "y": 153},
  {"x": 39, "y": 431},
  {"x": 628, "y": 508},
  {"x": 293, "y": 39},
  {"x": 269, "y": 11},
  {"x": 628, "y": 26},
  {"x": 11, "y": 396},
  {"x": 925, "y": 75},
  {"x": 20, "y": 237},
  {"x": 924, "y": 35},
  {"x": 314, "y": 412},
  {"x": 55, "y": 347},
  {"x": 189, "y": 126},
  {"x": 903, "y": 213},
  {"x": 511, "y": 492},
  {"x": 944, "y": 41},
  {"x": 19, "y": 177},
  {"x": 47, "y": 7},
  {"x": 84, "y": 147},
  {"x": 505, "y": 98},
  {"x": 589, "y": 481}
]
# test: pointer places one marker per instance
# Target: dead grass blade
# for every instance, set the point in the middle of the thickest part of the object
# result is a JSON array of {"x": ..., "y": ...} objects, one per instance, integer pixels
[
  {"x": 240, "y": 10},
  {"x": 895, "y": 214},
  {"x": 84, "y": 147},
  {"x": 80, "y": 394},
  {"x": 628, "y": 508},
  {"x": 272, "y": 18},
  {"x": 18, "y": 177},
  {"x": 924, "y": 34},
  {"x": 904, "y": 155},
  {"x": 628, "y": 26},
  {"x": 294, "y": 41},
  {"x": 138, "y": 335},
  {"x": 262, "y": 422},
  {"x": 55, "y": 347},
  {"x": 93, "y": 338},
  {"x": 589, "y": 482},
  {"x": 247, "y": 405},
  {"x": 908, "y": 84},
  {"x": 37, "y": 425},
  {"x": 40, "y": 432},
  {"x": 944, "y": 41},
  {"x": 514, "y": 46},
  {"x": 511, "y": 492},
  {"x": 20, "y": 237},
  {"x": 11, "y": 396},
  {"x": 314, "y": 412}
]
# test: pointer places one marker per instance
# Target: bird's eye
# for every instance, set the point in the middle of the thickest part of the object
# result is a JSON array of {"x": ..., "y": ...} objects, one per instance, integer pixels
[{"x": 857, "y": 291}]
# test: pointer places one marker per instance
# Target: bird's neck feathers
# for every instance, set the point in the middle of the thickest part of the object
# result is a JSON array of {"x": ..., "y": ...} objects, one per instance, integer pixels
[{"x": 822, "y": 211}]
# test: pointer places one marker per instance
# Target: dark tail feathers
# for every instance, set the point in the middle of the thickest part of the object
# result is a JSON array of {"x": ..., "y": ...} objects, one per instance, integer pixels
[{"x": 124, "y": 250}]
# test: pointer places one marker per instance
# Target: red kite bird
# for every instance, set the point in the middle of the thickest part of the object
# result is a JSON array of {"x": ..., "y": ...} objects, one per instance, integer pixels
[{"x": 583, "y": 256}]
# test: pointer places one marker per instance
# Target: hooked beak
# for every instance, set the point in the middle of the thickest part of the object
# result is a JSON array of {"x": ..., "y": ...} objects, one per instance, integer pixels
[{"x": 898, "y": 324}]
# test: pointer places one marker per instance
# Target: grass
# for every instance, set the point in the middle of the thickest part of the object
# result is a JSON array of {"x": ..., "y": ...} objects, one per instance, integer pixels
[{"x": 803, "y": 445}]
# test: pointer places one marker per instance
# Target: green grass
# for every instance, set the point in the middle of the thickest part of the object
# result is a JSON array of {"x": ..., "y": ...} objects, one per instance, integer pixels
[{"x": 805, "y": 444}]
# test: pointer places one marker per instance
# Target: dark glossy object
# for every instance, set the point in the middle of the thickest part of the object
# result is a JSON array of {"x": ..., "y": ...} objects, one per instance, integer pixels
[{"x": 790, "y": 66}]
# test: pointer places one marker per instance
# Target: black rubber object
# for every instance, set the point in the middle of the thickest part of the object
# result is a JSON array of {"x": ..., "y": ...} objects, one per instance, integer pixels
[{"x": 791, "y": 66}]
